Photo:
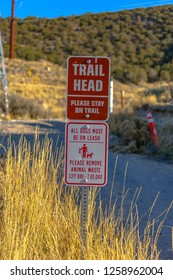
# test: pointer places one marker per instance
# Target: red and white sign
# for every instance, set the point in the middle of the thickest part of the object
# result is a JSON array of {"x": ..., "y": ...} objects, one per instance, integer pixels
[
  {"x": 88, "y": 87},
  {"x": 86, "y": 152}
]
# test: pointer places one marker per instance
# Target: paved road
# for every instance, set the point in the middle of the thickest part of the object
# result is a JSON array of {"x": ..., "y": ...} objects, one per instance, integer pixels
[
  {"x": 152, "y": 175},
  {"x": 154, "y": 178}
]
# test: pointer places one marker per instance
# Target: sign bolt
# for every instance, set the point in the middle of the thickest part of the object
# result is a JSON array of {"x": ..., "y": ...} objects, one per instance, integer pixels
[{"x": 87, "y": 116}]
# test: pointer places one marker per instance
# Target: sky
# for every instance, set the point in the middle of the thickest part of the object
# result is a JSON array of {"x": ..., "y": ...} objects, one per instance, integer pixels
[{"x": 58, "y": 8}]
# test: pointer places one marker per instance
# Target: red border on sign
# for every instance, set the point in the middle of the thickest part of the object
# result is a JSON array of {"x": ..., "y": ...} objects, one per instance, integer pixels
[
  {"x": 79, "y": 112},
  {"x": 95, "y": 61},
  {"x": 105, "y": 155},
  {"x": 101, "y": 75}
]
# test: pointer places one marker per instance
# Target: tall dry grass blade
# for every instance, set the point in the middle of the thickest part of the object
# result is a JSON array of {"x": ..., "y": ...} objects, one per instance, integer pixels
[{"x": 41, "y": 216}]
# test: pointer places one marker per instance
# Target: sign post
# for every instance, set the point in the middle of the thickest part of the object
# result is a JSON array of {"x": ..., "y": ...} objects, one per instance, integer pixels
[
  {"x": 86, "y": 162},
  {"x": 84, "y": 218},
  {"x": 86, "y": 141}
]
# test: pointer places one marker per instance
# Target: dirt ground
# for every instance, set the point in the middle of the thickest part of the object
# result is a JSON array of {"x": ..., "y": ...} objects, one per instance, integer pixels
[{"x": 25, "y": 127}]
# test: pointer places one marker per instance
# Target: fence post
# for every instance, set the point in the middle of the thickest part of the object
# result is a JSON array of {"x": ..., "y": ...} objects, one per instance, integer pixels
[
  {"x": 152, "y": 128},
  {"x": 111, "y": 98},
  {"x": 122, "y": 98}
]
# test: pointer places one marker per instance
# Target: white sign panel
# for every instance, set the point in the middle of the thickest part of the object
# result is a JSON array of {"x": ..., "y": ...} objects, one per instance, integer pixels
[{"x": 86, "y": 154}]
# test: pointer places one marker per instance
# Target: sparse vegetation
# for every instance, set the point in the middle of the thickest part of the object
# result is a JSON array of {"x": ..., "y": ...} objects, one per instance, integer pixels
[
  {"x": 36, "y": 90},
  {"x": 130, "y": 124},
  {"x": 166, "y": 140},
  {"x": 25, "y": 108},
  {"x": 132, "y": 132}
]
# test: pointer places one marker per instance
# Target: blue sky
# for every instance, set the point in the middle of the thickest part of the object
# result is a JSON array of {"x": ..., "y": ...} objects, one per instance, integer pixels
[{"x": 57, "y": 8}]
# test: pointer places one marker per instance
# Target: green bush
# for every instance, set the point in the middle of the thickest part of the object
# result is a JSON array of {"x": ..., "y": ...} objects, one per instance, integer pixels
[
  {"x": 20, "y": 107},
  {"x": 133, "y": 133},
  {"x": 138, "y": 42}
]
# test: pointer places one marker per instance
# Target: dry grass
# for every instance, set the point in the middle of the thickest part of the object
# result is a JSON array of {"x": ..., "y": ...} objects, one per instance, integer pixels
[
  {"x": 165, "y": 135},
  {"x": 133, "y": 134},
  {"x": 137, "y": 96},
  {"x": 41, "y": 82},
  {"x": 40, "y": 217},
  {"x": 130, "y": 124}
]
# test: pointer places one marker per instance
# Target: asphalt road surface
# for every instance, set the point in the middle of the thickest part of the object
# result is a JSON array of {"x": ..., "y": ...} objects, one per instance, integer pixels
[{"x": 152, "y": 176}]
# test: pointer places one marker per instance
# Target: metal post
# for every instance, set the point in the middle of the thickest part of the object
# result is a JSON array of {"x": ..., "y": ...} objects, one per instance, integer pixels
[
  {"x": 12, "y": 31},
  {"x": 84, "y": 218},
  {"x": 111, "y": 98},
  {"x": 3, "y": 77},
  {"x": 122, "y": 98}
]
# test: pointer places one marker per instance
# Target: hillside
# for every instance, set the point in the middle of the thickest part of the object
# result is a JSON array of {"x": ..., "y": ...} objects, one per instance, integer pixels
[
  {"x": 37, "y": 89},
  {"x": 138, "y": 42}
]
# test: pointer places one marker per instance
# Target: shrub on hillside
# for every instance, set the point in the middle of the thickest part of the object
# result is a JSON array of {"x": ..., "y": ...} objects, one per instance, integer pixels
[
  {"x": 157, "y": 92},
  {"x": 20, "y": 107},
  {"x": 133, "y": 133},
  {"x": 165, "y": 133}
]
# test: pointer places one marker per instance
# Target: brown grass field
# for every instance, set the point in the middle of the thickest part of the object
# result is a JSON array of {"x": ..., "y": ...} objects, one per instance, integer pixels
[{"x": 41, "y": 82}]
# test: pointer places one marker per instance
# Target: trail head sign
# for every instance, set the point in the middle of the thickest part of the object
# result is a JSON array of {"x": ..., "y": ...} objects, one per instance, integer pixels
[
  {"x": 86, "y": 151},
  {"x": 88, "y": 87}
]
